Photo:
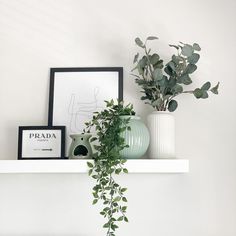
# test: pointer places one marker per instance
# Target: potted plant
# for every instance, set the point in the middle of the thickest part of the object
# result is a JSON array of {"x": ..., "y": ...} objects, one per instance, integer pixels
[
  {"x": 161, "y": 84},
  {"x": 108, "y": 162}
]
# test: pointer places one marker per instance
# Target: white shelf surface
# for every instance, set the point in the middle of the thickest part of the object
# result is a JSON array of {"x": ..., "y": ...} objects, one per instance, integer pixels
[{"x": 80, "y": 166}]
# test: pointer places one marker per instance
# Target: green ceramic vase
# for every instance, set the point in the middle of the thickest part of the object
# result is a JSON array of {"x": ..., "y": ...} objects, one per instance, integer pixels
[
  {"x": 137, "y": 138},
  {"x": 80, "y": 147}
]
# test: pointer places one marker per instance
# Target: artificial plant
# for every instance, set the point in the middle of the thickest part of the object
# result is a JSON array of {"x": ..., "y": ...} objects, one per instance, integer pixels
[
  {"x": 108, "y": 162},
  {"x": 160, "y": 82}
]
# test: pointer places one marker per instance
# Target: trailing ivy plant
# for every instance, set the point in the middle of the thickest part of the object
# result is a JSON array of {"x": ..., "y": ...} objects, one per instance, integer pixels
[
  {"x": 160, "y": 82},
  {"x": 108, "y": 162}
]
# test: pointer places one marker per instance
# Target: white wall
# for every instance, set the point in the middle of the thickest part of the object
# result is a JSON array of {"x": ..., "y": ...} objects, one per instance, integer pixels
[{"x": 38, "y": 34}]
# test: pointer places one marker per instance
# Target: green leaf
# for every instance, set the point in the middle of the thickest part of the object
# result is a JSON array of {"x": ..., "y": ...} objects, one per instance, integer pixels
[
  {"x": 152, "y": 38},
  {"x": 157, "y": 74},
  {"x": 143, "y": 62},
  {"x": 89, "y": 164},
  {"x": 106, "y": 225},
  {"x": 215, "y": 88},
  {"x": 124, "y": 199},
  {"x": 157, "y": 103},
  {"x": 117, "y": 199},
  {"x": 163, "y": 82},
  {"x": 176, "y": 59},
  {"x": 90, "y": 172},
  {"x": 117, "y": 171},
  {"x": 174, "y": 46},
  {"x": 187, "y": 50},
  {"x": 139, "y": 42},
  {"x": 125, "y": 171},
  {"x": 168, "y": 70},
  {"x": 177, "y": 88},
  {"x": 191, "y": 68},
  {"x": 184, "y": 79},
  {"x": 123, "y": 190},
  {"x": 204, "y": 95},
  {"x": 171, "y": 65},
  {"x": 120, "y": 218},
  {"x": 95, "y": 201},
  {"x": 198, "y": 93},
  {"x": 172, "y": 82},
  {"x": 206, "y": 86},
  {"x": 126, "y": 219},
  {"x": 136, "y": 58},
  {"x": 194, "y": 58},
  {"x": 172, "y": 105},
  {"x": 114, "y": 227},
  {"x": 196, "y": 47},
  {"x": 159, "y": 65},
  {"x": 154, "y": 58}
]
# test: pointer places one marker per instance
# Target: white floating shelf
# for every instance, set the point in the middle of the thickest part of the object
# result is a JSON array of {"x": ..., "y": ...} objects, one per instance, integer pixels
[{"x": 80, "y": 166}]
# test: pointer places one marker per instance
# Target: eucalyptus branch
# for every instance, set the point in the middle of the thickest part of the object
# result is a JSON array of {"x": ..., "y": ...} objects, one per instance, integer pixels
[
  {"x": 149, "y": 62},
  {"x": 168, "y": 79}
]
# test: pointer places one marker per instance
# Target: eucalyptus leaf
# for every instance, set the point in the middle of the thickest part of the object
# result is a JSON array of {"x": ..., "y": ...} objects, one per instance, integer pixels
[
  {"x": 154, "y": 59},
  {"x": 168, "y": 70},
  {"x": 152, "y": 38},
  {"x": 196, "y": 47},
  {"x": 204, "y": 94},
  {"x": 215, "y": 89},
  {"x": 139, "y": 42},
  {"x": 198, "y": 93},
  {"x": 206, "y": 86},
  {"x": 174, "y": 46},
  {"x": 157, "y": 74},
  {"x": 172, "y": 105},
  {"x": 191, "y": 68},
  {"x": 143, "y": 62},
  {"x": 136, "y": 58},
  {"x": 171, "y": 65},
  {"x": 172, "y": 82},
  {"x": 193, "y": 59},
  {"x": 163, "y": 82},
  {"x": 187, "y": 50},
  {"x": 177, "y": 88},
  {"x": 159, "y": 64},
  {"x": 157, "y": 103},
  {"x": 184, "y": 79}
]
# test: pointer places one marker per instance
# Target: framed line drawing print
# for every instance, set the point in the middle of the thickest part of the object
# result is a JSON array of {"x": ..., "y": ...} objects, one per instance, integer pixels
[
  {"x": 41, "y": 142},
  {"x": 75, "y": 93}
]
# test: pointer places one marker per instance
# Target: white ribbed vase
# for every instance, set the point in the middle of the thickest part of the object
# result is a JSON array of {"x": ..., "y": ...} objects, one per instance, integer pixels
[{"x": 161, "y": 126}]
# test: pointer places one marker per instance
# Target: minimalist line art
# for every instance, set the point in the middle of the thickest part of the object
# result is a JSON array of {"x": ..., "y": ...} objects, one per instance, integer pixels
[{"x": 82, "y": 111}]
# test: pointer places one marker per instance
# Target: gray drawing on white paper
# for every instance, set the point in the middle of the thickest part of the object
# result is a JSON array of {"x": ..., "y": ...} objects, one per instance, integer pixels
[{"x": 80, "y": 112}]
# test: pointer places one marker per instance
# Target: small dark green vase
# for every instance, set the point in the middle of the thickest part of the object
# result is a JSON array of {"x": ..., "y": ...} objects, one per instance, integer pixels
[{"x": 80, "y": 147}]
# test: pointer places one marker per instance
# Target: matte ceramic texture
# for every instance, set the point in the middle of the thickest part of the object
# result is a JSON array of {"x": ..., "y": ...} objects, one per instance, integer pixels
[
  {"x": 162, "y": 135},
  {"x": 80, "y": 147},
  {"x": 137, "y": 138}
]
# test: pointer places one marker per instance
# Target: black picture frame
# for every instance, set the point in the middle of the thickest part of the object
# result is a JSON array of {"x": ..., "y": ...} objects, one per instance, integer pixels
[
  {"x": 114, "y": 73},
  {"x": 21, "y": 141}
]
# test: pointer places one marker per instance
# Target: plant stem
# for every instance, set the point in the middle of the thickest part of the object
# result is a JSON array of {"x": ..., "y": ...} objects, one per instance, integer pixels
[
  {"x": 111, "y": 207},
  {"x": 149, "y": 64}
]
